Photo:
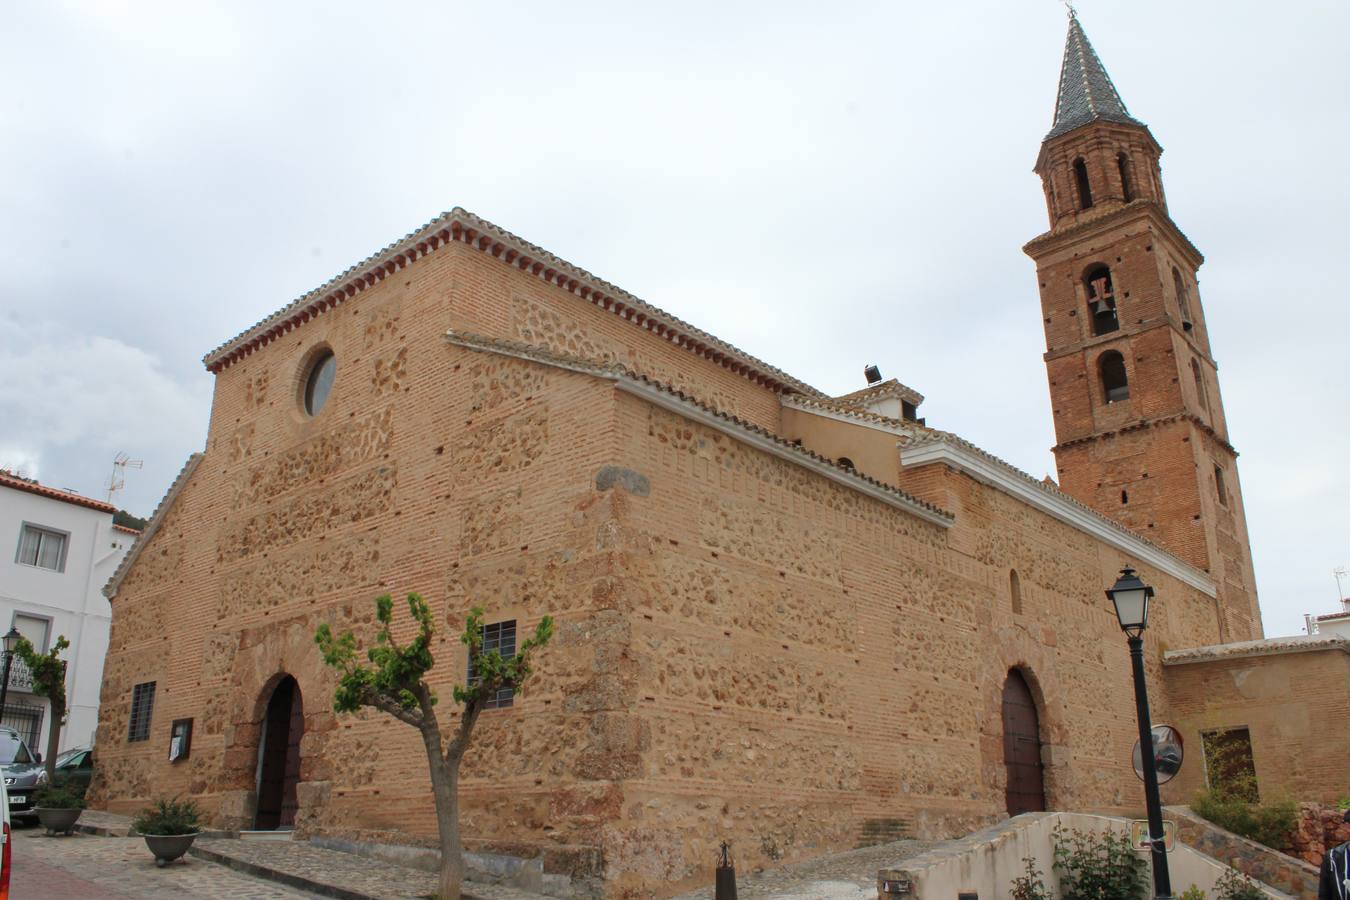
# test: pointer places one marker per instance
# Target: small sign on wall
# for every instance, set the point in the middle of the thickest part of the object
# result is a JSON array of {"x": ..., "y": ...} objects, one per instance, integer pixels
[{"x": 1139, "y": 834}]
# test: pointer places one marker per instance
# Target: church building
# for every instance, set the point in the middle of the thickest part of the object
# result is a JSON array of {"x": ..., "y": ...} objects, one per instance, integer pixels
[{"x": 791, "y": 621}]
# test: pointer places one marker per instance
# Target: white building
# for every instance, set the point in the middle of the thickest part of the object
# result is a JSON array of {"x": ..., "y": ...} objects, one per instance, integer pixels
[
  {"x": 1331, "y": 623},
  {"x": 64, "y": 549}
]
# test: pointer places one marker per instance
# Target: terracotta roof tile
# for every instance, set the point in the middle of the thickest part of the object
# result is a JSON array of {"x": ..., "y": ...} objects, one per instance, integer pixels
[
  {"x": 616, "y": 371},
  {"x": 19, "y": 483},
  {"x": 460, "y": 225}
]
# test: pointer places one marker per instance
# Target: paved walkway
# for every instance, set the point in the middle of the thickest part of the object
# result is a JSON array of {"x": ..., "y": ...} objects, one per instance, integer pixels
[
  {"x": 88, "y": 867},
  {"x": 342, "y": 875},
  {"x": 843, "y": 876}
]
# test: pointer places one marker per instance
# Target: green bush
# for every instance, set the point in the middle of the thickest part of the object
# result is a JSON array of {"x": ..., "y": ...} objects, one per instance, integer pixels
[
  {"x": 1344, "y": 802},
  {"x": 169, "y": 817},
  {"x": 60, "y": 794},
  {"x": 1030, "y": 886},
  {"x": 1192, "y": 893},
  {"x": 1231, "y": 886},
  {"x": 1098, "y": 866},
  {"x": 1266, "y": 823}
]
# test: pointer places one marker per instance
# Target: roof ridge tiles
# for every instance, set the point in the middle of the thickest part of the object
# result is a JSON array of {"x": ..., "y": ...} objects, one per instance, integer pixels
[
  {"x": 618, "y": 371},
  {"x": 460, "y": 225},
  {"x": 935, "y": 436},
  {"x": 33, "y": 486},
  {"x": 165, "y": 504}
]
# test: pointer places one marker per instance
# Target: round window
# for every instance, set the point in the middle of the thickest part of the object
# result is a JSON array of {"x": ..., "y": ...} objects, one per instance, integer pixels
[{"x": 319, "y": 382}]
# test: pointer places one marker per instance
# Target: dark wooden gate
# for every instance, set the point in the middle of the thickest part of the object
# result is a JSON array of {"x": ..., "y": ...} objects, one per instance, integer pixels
[
  {"x": 284, "y": 726},
  {"x": 1022, "y": 747}
]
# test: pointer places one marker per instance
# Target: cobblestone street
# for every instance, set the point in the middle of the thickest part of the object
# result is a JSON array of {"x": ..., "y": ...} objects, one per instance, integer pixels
[{"x": 86, "y": 867}]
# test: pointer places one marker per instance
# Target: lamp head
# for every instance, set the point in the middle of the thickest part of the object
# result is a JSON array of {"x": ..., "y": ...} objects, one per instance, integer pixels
[
  {"x": 1130, "y": 597},
  {"x": 12, "y": 639}
]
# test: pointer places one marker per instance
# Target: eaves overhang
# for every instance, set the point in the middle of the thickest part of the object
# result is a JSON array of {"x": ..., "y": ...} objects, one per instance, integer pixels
[
  {"x": 675, "y": 401},
  {"x": 961, "y": 455},
  {"x": 1113, "y": 216},
  {"x": 462, "y": 227}
]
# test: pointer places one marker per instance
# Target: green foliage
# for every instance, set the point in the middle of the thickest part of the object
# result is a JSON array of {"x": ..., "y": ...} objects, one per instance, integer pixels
[
  {"x": 1192, "y": 893},
  {"x": 1030, "y": 886},
  {"x": 1344, "y": 802},
  {"x": 49, "y": 671},
  {"x": 1266, "y": 823},
  {"x": 127, "y": 520},
  {"x": 64, "y": 793},
  {"x": 1098, "y": 866},
  {"x": 1232, "y": 800},
  {"x": 394, "y": 676},
  {"x": 169, "y": 817},
  {"x": 1231, "y": 886}
]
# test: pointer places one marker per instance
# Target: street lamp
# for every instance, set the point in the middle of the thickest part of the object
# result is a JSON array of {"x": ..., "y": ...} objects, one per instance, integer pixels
[
  {"x": 11, "y": 640},
  {"x": 1130, "y": 597}
]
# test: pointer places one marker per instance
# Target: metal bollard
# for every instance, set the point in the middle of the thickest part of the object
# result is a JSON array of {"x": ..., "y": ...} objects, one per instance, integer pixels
[{"x": 726, "y": 875}]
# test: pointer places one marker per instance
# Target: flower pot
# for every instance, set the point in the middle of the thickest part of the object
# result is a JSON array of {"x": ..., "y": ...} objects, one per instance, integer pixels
[
  {"x": 58, "y": 821},
  {"x": 168, "y": 847}
]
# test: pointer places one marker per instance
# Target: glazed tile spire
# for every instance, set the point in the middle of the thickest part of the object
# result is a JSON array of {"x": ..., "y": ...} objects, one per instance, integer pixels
[{"x": 1086, "y": 93}]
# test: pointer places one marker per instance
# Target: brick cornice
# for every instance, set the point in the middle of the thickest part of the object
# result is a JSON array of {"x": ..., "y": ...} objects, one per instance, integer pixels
[
  {"x": 1138, "y": 424},
  {"x": 1113, "y": 216},
  {"x": 461, "y": 226}
]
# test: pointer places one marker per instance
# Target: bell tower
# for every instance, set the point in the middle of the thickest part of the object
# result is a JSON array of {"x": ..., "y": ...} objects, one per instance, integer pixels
[{"x": 1139, "y": 423}]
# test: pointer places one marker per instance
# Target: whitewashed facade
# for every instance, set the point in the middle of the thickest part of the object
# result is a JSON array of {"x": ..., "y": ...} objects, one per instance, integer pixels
[{"x": 57, "y": 550}]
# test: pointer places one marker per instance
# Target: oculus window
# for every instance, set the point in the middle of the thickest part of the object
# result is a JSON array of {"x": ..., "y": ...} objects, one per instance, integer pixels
[{"x": 319, "y": 381}]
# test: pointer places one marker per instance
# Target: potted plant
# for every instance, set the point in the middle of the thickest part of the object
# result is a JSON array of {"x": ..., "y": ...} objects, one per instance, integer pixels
[
  {"x": 58, "y": 805},
  {"x": 169, "y": 828}
]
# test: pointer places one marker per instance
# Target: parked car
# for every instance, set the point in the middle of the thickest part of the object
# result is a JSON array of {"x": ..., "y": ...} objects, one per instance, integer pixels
[
  {"x": 7, "y": 850},
  {"x": 77, "y": 765},
  {"x": 22, "y": 773}
]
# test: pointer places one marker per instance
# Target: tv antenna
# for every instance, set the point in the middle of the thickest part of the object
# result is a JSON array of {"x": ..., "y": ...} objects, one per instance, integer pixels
[
  {"x": 118, "y": 479},
  {"x": 1339, "y": 573}
]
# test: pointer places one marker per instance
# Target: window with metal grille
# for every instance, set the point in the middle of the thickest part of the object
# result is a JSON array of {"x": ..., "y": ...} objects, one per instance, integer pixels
[
  {"x": 42, "y": 547},
  {"x": 499, "y": 636},
  {"x": 142, "y": 704}
]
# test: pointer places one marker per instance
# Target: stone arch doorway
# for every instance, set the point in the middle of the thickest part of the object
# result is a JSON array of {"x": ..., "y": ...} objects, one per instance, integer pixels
[
  {"x": 283, "y": 726},
  {"x": 1022, "y": 747}
]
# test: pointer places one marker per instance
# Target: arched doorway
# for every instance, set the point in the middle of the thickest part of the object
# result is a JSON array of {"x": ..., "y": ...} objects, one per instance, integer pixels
[
  {"x": 1022, "y": 747},
  {"x": 279, "y": 757}
]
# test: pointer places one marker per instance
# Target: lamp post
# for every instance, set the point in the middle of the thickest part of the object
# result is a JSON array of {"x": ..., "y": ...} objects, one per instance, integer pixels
[
  {"x": 11, "y": 640},
  {"x": 1130, "y": 597}
]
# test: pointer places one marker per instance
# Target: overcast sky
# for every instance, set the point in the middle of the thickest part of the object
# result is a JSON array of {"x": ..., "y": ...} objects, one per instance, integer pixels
[{"x": 822, "y": 184}]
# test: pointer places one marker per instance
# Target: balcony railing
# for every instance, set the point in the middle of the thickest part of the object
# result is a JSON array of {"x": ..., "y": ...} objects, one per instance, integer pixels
[{"x": 20, "y": 676}]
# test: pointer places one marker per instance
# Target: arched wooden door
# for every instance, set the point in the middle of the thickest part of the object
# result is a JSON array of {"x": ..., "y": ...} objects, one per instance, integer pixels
[
  {"x": 1022, "y": 747},
  {"x": 279, "y": 757}
]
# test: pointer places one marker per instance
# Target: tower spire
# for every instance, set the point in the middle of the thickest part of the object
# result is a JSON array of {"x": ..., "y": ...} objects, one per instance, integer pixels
[{"x": 1086, "y": 93}]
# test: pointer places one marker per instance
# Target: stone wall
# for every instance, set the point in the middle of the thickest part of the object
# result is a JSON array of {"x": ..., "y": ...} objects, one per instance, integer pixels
[
  {"x": 1293, "y": 696},
  {"x": 808, "y": 658}
]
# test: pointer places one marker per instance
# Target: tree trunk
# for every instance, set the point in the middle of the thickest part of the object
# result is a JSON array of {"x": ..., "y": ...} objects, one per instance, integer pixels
[
  {"x": 54, "y": 740},
  {"x": 445, "y": 790}
]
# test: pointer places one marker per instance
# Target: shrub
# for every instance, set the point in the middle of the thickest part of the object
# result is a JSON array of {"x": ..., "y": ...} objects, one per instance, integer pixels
[
  {"x": 1231, "y": 886},
  {"x": 1030, "y": 886},
  {"x": 1098, "y": 866},
  {"x": 1266, "y": 823},
  {"x": 60, "y": 794},
  {"x": 169, "y": 817},
  {"x": 1192, "y": 893},
  {"x": 1344, "y": 802}
]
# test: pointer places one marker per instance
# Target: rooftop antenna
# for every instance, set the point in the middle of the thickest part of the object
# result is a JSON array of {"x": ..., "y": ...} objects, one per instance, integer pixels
[
  {"x": 1339, "y": 572},
  {"x": 118, "y": 479}
]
